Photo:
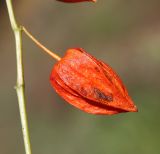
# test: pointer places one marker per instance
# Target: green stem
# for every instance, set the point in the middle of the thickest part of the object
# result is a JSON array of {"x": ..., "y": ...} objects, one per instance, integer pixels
[{"x": 20, "y": 76}]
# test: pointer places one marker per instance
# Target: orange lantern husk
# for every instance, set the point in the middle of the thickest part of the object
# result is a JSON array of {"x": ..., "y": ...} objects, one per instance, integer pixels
[
  {"x": 75, "y": 1},
  {"x": 90, "y": 84}
]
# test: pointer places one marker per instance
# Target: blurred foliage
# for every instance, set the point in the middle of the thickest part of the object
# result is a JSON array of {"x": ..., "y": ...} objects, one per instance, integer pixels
[{"x": 125, "y": 34}]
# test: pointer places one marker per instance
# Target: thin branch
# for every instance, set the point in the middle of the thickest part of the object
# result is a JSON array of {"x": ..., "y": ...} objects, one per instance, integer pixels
[
  {"x": 55, "y": 56},
  {"x": 20, "y": 76}
]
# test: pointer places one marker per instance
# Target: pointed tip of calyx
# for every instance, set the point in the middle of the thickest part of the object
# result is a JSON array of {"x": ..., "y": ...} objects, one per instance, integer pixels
[{"x": 133, "y": 109}]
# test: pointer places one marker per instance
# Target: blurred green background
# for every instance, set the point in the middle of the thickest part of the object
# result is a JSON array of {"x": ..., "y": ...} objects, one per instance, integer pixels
[{"x": 124, "y": 34}]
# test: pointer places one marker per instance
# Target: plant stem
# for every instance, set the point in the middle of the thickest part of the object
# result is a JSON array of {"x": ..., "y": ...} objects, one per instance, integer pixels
[
  {"x": 20, "y": 76},
  {"x": 55, "y": 56}
]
